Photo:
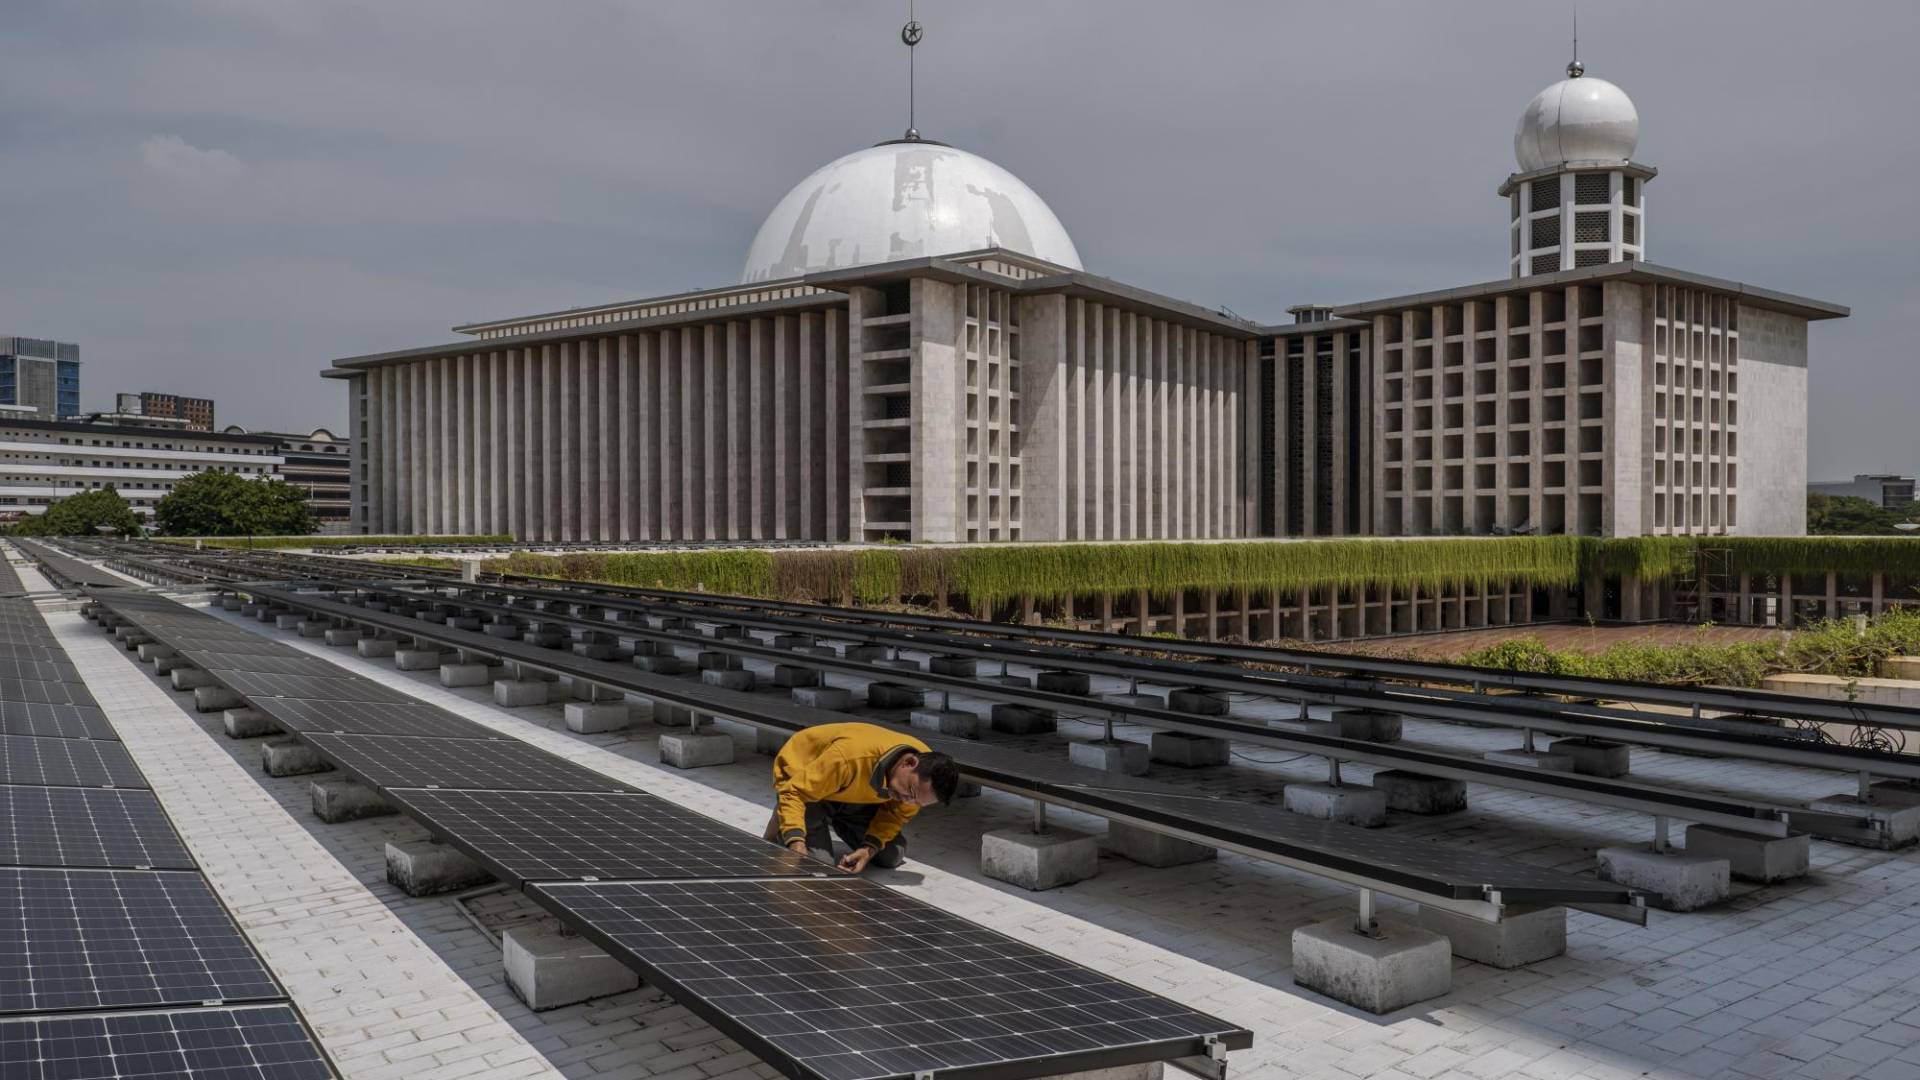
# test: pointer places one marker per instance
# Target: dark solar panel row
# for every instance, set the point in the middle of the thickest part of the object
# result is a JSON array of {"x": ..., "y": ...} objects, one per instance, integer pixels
[
  {"x": 116, "y": 958},
  {"x": 781, "y": 951}
]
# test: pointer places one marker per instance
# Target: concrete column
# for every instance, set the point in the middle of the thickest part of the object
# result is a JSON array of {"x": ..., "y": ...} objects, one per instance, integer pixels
[
  {"x": 1043, "y": 394},
  {"x": 691, "y": 453},
  {"x": 939, "y": 428},
  {"x": 862, "y": 303},
  {"x": 672, "y": 434},
  {"x": 1284, "y": 467},
  {"x": 834, "y": 422},
  {"x": 646, "y": 451},
  {"x": 575, "y": 434},
  {"x": 740, "y": 466},
  {"x": 760, "y": 425},
  {"x": 810, "y": 457},
  {"x": 717, "y": 403},
  {"x": 625, "y": 450},
  {"x": 532, "y": 451},
  {"x": 1095, "y": 449},
  {"x": 1309, "y": 465},
  {"x": 605, "y": 450},
  {"x": 785, "y": 419}
]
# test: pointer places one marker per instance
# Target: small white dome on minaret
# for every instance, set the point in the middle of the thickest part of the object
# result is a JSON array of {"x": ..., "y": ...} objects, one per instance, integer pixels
[{"x": 1579, "y": 120}]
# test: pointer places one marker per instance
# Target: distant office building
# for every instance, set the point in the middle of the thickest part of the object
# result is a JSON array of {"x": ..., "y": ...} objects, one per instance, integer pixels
[
  {"x": 42, "y": 461},
  {"x": 40, "y": 378},
  {"x": 1890, "y": 492},
  {"x": 197, "y": 412},
  {"x": 319, "y": 462}
]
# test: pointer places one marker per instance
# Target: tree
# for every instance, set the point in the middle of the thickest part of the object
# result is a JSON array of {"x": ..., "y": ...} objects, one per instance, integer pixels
[
  {"x": 1846, "y": 515},
  {"x": 81, "y": 515},
  {"x": 225, "y": 504}
]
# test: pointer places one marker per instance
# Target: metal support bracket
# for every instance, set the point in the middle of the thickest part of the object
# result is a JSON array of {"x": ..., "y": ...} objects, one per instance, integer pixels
[
  {"x": 1039, "y": 818},
  {"x": 1365, "y": 923}
]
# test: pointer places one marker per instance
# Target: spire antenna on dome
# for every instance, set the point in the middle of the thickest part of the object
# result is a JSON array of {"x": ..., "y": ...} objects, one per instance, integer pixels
[
  {"x": 1575, "y": 69},
  {"x": 911, "y": 35}
]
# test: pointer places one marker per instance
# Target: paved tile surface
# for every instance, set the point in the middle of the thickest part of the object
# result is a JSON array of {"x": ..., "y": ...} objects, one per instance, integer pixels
[{"x": 1816, "y": 978}]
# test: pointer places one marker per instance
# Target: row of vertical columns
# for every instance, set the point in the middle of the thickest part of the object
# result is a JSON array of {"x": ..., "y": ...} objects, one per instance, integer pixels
[
  {"x": 1141, "y": 427},
  {"x": 723, "y": 431}
]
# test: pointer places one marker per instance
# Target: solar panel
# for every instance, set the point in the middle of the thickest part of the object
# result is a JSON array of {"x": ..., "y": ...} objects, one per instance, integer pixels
[
  {"x": 13, "y": 665},
  {"x": 258, "y": 1043},
  {"x": 66, "y": 763},
  {"x": 55, "y": 693},
  {"x": 54, "y": 721},
  {"x": 48, "y": 826},
  {"x": 503, "y": 765},
  {"x": 263, "y": 663},
  {"x": 341, "y": 688},
  {"x": 844, "y": 980},
  {"x": 97, "y": 939},
  {"x": 534, "y": 836},
  {"x": 371, "y": 718}
]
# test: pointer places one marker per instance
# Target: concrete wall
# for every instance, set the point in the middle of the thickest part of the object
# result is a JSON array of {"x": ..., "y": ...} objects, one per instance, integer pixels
[
  {"x": 1772, "y": 487},
  {"x": 1629, "y": 424}
]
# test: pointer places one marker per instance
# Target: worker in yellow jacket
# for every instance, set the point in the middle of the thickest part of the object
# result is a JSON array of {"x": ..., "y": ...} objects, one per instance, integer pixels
[{"x": 861, "y": 781}]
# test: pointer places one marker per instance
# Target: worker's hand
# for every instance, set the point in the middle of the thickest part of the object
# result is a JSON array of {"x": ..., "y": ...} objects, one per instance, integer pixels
[
  {"x": 798, "y": 847},
  {"x": 856, "y": 860}
]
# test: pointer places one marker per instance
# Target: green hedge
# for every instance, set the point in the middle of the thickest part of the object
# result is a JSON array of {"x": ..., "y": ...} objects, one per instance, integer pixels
[{"x": 320, "y": 542}]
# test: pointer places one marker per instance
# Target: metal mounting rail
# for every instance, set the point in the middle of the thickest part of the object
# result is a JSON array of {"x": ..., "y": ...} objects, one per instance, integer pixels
[
  {"x": 1729, "y": 737},
  {"x": 1136, "y": 802}
]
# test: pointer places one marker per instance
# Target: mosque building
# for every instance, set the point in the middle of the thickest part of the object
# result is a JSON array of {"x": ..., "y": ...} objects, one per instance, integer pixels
[{"x": 915, "y": 352}]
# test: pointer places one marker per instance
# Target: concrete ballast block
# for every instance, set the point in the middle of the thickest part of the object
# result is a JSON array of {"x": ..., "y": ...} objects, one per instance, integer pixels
[
  {"x": 1062, "y": 682},
  {"x": 1404, "y": 965},
  {"x": 341, "y": 799},
  {"x": 344, "y": 635},
  {"x": 590, "y": 718},
  {"x": 687, "y": 750},
  {"x": 216, "y": 699},
  {"x": 521, "y": 693},
  {"x": 547, "y": 969},
  {"x": 248, "y": 724},
  {"x": 1371, "y": 725},
  {"x": 1594, "y": 757},
  {"x": 1413, "y": 793},
  {"x": 1022, "y": 719},
  {"x": 1198, "y": 701},
  {"x": 290, "y": 757},
  {"x": 1126, "y": 758},
  {"x": 1150, "y": 848},
  {"x": 1039, "y": 860},
  {"x": 288, "y": 621},
  {"x": 964, "y": 666},
  {"x": 465, "y": 674},
  {"x": 831, "y": 698},
  {"x": 373, "y": 648},
  {"x": 1349, "y": 804},
  {"x": 424, "y": 868},
  {"x": 1675, "y": 881},
  {"x": 416, "y": 659},
  {"x": 1752, "y": 858},
  {"x": 188, "y": 678},
  {"x": 885, "y": 695},
  {"x": 1902, "y": 819},
  {"x": 1531, "y": 759},
  {"x": 314, "y": 627},
  {"x": 1188, "y": 751},
  {"x": 727, "y": 678},
  {"x": 790, "y": 676},
  {"x": 963, "y": 725},
  {"x": 1522, "y": 936}
]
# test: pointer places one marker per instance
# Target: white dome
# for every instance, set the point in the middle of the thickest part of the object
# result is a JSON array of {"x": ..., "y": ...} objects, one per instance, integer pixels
[
  {"x": 903, "y": 200},
  {"x": 1580, "y": 120}
]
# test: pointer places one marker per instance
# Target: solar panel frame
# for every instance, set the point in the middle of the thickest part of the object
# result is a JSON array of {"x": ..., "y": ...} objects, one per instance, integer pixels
[
  {"x": 51, "y": 693},
  {"x": 527, "y": 836},
  {"x": 87, "y": 827},
  {"x": 371, "y": 718},
  {"x": 265, "y": 663},
  {"x": 45, "y": 720},
  {"x": 387, "y": 761},
  {"x": 264, "y": 1042},
  {"x": 30, "y": 761},
  {"x": 73, "y": 940},
  {"x": 889, "y": 986}
]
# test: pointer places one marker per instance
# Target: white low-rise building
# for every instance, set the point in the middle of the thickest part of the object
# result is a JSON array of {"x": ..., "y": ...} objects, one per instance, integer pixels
[{"x": 143, "y": 458}]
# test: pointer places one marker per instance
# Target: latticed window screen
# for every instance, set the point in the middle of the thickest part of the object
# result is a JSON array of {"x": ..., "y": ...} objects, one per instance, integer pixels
[
  {"x": 1590, "y": 227},
  {"x": 1589, "y": 258},
  {"x": 1546, "y": 231},
  {"x": 1630, "y": 228},
  {"x": 1513, "y": 201},
  {"x": 1630, "y": 191},
  {"x": 1591, "y": 188},
  {"x": 1545, "y": 264},
  {"x": 1516, "y": 241},
  {"x": 1544, "y": 194},
  {"x": 899, "y": 407},
  {"x": 899, "y": 474}
]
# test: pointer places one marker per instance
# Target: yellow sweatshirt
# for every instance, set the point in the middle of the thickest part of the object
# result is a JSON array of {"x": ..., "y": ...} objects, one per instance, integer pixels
[{"x": 844, "y": 763}]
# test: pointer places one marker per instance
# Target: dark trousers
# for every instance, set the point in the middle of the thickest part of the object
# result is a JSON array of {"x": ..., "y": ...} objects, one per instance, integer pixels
[{"x": 850, "y": 821}]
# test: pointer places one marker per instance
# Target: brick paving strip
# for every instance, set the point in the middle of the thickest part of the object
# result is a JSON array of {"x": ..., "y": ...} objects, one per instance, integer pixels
[{"x": 382, "y": 1002}]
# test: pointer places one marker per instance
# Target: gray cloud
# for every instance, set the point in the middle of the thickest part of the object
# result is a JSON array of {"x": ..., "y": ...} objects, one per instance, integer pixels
[{"x": 216, "y": 196}]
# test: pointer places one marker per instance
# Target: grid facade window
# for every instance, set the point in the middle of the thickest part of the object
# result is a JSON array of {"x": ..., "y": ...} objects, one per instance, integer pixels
[
  {"x": 1592, "y": 189},
  {"x": 1545, "y": 264},
  {"x": 1544, "y": 194},
  {"x": 1590, "y": 227},
  {"x": 1591, "y": 258},
  {"x": 1545, "y": 231},
  {"x": 1630, "y": 228}
]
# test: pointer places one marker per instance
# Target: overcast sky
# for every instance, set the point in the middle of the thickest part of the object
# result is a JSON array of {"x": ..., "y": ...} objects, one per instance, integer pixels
[{"x": 215, "y": 197}]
